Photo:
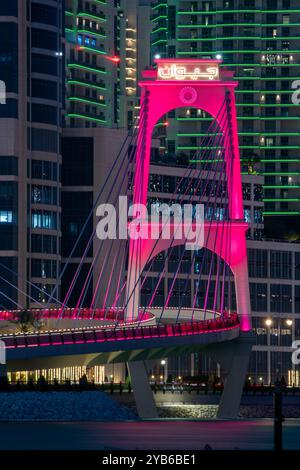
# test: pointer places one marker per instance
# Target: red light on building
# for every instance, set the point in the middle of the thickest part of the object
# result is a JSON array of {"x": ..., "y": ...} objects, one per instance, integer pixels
[{"x": 114, "y": 58}]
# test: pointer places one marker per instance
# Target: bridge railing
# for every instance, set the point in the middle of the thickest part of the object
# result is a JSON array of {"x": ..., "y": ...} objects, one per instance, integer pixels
[{"x": 98, "y": 335}]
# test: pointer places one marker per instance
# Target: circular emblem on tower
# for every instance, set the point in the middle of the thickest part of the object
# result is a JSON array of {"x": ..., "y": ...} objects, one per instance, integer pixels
[{"x": 188, "y": 95}]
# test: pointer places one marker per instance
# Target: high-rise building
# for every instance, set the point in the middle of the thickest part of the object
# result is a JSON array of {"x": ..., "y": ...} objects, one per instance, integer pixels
[
  {"x": 258, "y": 39},
  {"x": 32, "y": 68},
  {"x": 101, "y": 62}
]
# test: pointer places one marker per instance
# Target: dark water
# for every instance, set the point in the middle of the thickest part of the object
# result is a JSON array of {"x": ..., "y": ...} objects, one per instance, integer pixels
[{"x": 154, "y": 435}]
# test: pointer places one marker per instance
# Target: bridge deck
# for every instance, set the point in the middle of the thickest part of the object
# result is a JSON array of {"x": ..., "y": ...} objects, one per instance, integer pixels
[{"x": 97, "y": 335}]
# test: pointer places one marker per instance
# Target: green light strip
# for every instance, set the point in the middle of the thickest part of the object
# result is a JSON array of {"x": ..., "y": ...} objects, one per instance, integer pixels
[
  {"x": 280, "y": 160},
  {"x": 159, "y": 41},
  {"x": 68, "y": 13},
  {"x": 162, "y": 28},
  {"x": 284, "y": 186},
  {"x": 158, "y": 18},
  {"x": 230, "y": 38},
  {"x": 84, "y": 67},
  {"x": 154, "y": 7},
  {"x": 217, "y": 11},
  {"x": 88, "y": 118},
  {"x": 88, "y": 85},
  {"x": 83, "y": 100},
  {"x": 86, "y": 31},
  {"x": 280, "y": 173},
  {"x": 264, "y": 25},
  {"x": 97, "y": 51},
  {"x": 94, "y": 17},
  {"x": 282, "y": 213},
  {"x": 282, "y": 200},
  {"x": 195, "y": 147}
]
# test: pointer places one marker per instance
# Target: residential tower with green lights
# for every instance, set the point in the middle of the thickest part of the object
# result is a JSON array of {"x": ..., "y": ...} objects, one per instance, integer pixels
[
  {"x": 259, "y": 40},
  {"x": 100, "y": 62}
]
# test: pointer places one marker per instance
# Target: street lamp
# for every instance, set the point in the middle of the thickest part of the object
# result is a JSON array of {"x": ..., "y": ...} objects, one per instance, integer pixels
[
  {"x": 289, "y": 322},
  {"x": 163, "y": 362},
  {"x": 268, "y": 322}
]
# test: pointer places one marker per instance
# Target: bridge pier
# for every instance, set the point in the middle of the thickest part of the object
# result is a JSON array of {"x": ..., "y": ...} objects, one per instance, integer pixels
[
  {"x": 234, "y": 358},
  {"x": 143, "y": 394},
  {"x": 3, "y": 370}
]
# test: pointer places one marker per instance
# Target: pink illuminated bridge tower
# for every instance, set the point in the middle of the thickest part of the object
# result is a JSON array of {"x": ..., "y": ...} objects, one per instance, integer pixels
[{"x": 177, "y": 83}]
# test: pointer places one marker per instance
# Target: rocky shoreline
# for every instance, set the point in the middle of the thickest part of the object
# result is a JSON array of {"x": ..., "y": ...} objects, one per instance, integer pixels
[
  {"x": 99, "y": 406},
  {"x": 63, "y": 406}
]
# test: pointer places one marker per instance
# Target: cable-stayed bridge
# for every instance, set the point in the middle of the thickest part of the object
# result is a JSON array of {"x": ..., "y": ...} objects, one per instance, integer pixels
[{"x": 120, "y": 321}]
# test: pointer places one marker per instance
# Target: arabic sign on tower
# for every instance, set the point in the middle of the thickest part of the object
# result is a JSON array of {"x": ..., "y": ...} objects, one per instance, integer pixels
[{"x": 169, "y": 69}]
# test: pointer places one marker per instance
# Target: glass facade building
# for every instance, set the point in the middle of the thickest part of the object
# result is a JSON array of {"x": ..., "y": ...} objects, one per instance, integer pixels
[{"x": 32, "y": 68}]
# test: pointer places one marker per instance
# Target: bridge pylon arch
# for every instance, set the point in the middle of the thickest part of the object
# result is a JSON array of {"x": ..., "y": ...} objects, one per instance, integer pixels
[{"x": 196, "y": 83}]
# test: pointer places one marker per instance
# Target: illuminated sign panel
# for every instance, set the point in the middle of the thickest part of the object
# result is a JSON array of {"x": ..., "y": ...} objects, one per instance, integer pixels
[{"x": 188, "y": 70}]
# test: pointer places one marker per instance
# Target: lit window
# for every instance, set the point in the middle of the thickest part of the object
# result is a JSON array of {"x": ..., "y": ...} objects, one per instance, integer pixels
[
  {"x": 285, "y": 19},
  {"x": 5, "y": 217}
]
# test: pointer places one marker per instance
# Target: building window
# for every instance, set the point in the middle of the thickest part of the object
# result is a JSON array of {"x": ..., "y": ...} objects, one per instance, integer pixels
[
  {"x": 281, "y": 298},
  {"x": 43, "y": 244},
  {"x": 247, "y": 214},
  {"x": 44, "y": 195},
  {"x": 44, "y": 268},
  {"x": 258, "y": 215},
  {"x": 280, "y": 264},
  {"x": 45, "y": 114},
  {"x": 44, "y": 64},
  {"x": 9, "y": 109},
  {"x": 258, "y": 263},
  {"x": 44, "y": 39},
  {"x": 285, "y": 19},
  {"x": 44, "y": 220},
  {"x": 9, "y": 55},
  {"x": 44, "y": 170},
  {"x": 6, "y": 217},
  {"x": 44, "y": 140},
  {"x": 44, "y": 14},
  {"x": 46, "y": 89},
  {"x": 8, "y": 166},
  {"x": 258, "y": 296}
]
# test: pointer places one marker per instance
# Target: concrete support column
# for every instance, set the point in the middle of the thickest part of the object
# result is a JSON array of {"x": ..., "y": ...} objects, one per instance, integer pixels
[
  {"x": 3, "y": 370},
  {"x": 235, "y": 357},
  {"x": 143, "y": 394},
  {"x": 241, "y": 282}
]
